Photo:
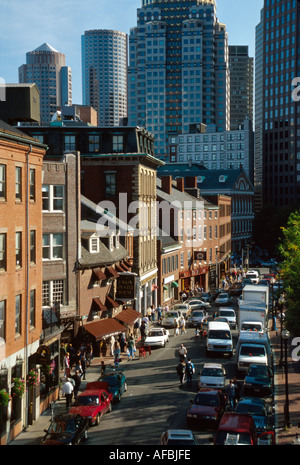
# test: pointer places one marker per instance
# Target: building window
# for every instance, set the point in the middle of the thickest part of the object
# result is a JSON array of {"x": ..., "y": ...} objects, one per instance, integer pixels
[
  {"x": 94, "y": 143},
  {"x": 117, "y": 143},
  {"x": 18, "y": 183},
  {"x": 53, "y": 198},
  {"x": 94, "y": 244},
  {"x": 18, "y": 315},
  {"x": 32, "y": 247},
  {"x": 2, "y": 318},
  {"x": 53, "y": 291},
  {"x": 3, "y": 251},
  {"x": 32, "y": 308},
  {"x": 70, "y": 142},
  {"x": 3, "y": 182},
  {"x": 18, "y": 249},
  {"x": 110, "y": 184},
  {"x": 52, "y": 246},
  {"x": 32, "y": 184}
]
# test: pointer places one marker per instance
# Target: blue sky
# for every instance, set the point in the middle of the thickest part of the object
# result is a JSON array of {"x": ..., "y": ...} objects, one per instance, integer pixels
[{"x": 25, "y": 25}]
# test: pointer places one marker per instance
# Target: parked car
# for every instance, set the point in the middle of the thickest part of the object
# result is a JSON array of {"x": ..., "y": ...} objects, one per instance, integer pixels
[
  {"x": 258, "y": 380},
  {"x": 229, "y": 314},
  {"x": 114, "y": 382},
  {"x": 199, "y": 304},
  {"x": 93, "y": 403},
  {"x": 258, "y": 409},
  {"x": 206, "y": 297},
  {"x": 180, "y": 437},
  {"x": 66, "y": 429},
  {"x": 207, "y": 408},
  {"x": 197, "y": 317},
  {"x": 169, "y": 318},
  {"x": 184, "y": 308},
  {"x": 223, "y": 299},
  {"x": 157, "y": 337},
  {"x": 212, "y": 375},
  {"x": 239, "y": 429}
]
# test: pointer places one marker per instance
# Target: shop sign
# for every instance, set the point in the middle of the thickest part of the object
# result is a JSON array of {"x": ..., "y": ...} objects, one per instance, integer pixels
[
  {"x": 43, "y": 355},
  {"x": 126, "y": 287}
]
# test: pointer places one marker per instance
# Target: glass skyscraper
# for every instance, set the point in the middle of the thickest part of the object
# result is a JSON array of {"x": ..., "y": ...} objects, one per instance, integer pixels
[
  {"x": 277, "y": 106},
  {"x": 178, "y": 71},
  {"x": 104, "y": 74}
]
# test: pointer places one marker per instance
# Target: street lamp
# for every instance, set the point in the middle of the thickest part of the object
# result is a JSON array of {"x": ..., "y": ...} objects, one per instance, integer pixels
[{"x": 285, "y": 334}]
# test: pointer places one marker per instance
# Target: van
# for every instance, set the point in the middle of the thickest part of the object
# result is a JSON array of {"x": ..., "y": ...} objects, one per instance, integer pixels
[
  {"x": 230, "y": 316},
  {"x": 253, "y": 275},
  {"x": 252, "y": 347},
  {"x": 219, "y": 338}
]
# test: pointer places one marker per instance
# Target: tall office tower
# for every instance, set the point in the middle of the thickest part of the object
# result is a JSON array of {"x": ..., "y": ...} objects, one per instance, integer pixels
[
  {"x": 241, "y": 85},
  {"x": 279, "y": 110},
  {"x": 178, "y": 69},
  {"x": 104, "y": 74},
  {"x": 46, "y": 67}
]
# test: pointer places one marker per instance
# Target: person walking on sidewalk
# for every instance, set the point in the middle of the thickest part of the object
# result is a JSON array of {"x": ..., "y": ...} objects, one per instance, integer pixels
[
  {"x": 181, "y": 370},
  {"x": 182, "y": 352},
  {"x": 77, "y": 379},
  {"x": 130, "y": 346},
  {"x": 189, "y": 371},
  {"x": 67, "y": 391}
]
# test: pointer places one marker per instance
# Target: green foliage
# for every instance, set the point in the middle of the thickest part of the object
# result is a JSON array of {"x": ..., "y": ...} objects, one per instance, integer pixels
[
  {"x": 289, "y": 248},
  {"x": 4, "y": 398}
]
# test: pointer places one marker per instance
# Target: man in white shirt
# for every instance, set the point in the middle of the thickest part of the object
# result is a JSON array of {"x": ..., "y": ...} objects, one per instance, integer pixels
[{"x": 67, "y": 391}]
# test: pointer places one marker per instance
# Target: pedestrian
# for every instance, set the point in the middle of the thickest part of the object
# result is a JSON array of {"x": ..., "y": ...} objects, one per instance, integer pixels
[
  {"x": 102, "y": 370},
  {"x": 182, "y": 325},
  {"x": 189, "y": 371},
  {"x": 117, "y": 353},
  {"x": 182, "y": 352},
  {"x": 231, "y": 393},
  {"x": 135, "y": 332},
  {"x": 67, "y": 391},
  {"x": 67, "y": 364},
  {"x": 62, "y": 355},
  {"x": 153, "y": 313},
  {"x": 143, "y": 331},
  {"x": 89, "y": 354},
  {"x": 181, "y": 371},
  {"x": 130, "y": 347},
  {"x": 176, "y": 327},
  {"x": 112, "y": 345},
  {"x": 77, "y": 380},
  {"x": 158, "y": 311},
  {"x": 83, "y": 365}
]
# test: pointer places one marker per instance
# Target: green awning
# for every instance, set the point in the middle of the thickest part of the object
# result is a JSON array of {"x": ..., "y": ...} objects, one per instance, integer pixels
[
  {"x": 174, "y": 284},
  {"x": 166, "y": 288}
]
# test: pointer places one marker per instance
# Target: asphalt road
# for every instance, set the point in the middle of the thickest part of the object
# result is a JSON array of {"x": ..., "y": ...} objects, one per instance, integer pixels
[{"x": 155, "y": 401}]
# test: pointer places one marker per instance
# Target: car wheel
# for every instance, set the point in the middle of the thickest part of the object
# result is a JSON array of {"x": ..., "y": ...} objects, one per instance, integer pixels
[
  {"x": 85, "y": 436},
  {"x": 98, "y": 419},
  {"x": 125, "y": 387},
  {"x": 109, "y": 408}
]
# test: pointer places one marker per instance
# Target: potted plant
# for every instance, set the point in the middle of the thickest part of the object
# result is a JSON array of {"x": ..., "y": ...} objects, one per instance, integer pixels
[
  {"x": 18, "y": 388},
  {"x": 4, "y": 398},
  {"x": 32, "y": 378}
]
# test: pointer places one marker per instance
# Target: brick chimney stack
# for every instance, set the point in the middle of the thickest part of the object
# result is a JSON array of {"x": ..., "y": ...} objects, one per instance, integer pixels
[
  {"x": 180, "y": 184},
  {"x": 191, "y": 181},
  {"x": 166, "y": 184}
]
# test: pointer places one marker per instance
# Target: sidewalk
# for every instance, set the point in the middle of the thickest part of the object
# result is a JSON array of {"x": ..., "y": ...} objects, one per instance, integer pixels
[{"x": 286, "y": 436}]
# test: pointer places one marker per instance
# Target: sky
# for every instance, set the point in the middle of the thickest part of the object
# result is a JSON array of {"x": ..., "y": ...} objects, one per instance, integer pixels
[{"x": 25, "y": 25}]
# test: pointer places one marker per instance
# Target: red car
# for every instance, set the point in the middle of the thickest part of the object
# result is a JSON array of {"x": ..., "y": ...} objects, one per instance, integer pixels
[
  {"x": 93, "y": 403},
  {"x": 207, "y": 408}
]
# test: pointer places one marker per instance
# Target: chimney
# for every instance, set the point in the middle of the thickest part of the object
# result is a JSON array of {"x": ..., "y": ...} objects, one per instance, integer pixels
[
  {"x": 191, "y": 181},
  {"x": 166, "y": 184},
  {"x": 180, "y": 184}
]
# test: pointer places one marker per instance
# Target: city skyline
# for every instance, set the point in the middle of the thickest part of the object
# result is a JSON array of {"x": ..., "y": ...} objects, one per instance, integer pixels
[{"x": 64, "y": 31}]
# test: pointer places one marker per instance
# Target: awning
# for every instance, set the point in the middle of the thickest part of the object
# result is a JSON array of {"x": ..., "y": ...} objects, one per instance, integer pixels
[
  {"x": 128, "y": 316},
  {"x": 104, "y": 328},
  {"x": 99, "y": 303},
  {"x": 109, "y": 302},
  {"x": 165, "y": 288},
  {"x": 174, "y": 284},
  {"x": 110, "y": 272},
  {"x": 99, "y": 274}
]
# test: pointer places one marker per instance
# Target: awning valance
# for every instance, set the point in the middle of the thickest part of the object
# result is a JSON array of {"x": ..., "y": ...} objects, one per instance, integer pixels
[
  {"x": 111, "y": 303},
  {"x": 174, "y": 284},
  {"x": 128, "y": 316},
  {"x": 98, "y": 302},
  {"x": 104, "y": 328},
  {"x": 110, "y": 272},
  {"x": 99, "y": 274}
]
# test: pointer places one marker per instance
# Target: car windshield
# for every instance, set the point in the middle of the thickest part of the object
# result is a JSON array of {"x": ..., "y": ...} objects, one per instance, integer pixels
[
  {"x": 88, "y": 400},
  {"x": 258, "y": 371},
  {"x": 218, "y": 372},
  {"x": 155, "y": 333},
  {"x": 250, "y": 408},
  {"x": 223, "y": 296},
  {"x": 219, "y": 334},
  {"x": 226, "y": 313},
  {"x": 60, "y": 426},
  {"x": 226, "y": 437},
  {"x": 111, "y": 380},
  {"x": 251, "y": 327},
  {"x": 206, "y": 399},
  {"x": 252, "y": 351},
  {"x": 181, "y": 442},
  {"x": 171, "y": 315},
  {"x": 197, "y": 314}
]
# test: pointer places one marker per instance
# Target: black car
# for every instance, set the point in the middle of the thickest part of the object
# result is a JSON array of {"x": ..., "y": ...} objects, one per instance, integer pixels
[
  {"x": 66, "y": 429},
  {"x": 258, "y": 380}
]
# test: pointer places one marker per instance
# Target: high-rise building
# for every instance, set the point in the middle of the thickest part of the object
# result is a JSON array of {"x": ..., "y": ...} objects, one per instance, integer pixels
[
  {"x": 278, "y": 110},
  {"x": 178, "y": 69},
  {"x": 104, "y": 74},
  {"x": 241, "y": 85},
  {"x": 46, "y": 67}
]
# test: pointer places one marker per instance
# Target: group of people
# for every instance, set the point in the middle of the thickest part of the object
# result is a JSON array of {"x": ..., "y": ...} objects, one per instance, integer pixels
[
  {"x": 80, "y": 359},
  {"x": 185, "y": 368}
]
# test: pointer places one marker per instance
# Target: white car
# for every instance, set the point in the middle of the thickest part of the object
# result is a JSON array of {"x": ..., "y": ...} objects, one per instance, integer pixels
[
  {"x": 184, "y": 308},
  {"x": 223, "y": 299},
  {"x": 183, "y": 437},
  {"x": 169, "y": 318},
  {"x": 198, "y": 304},
  {"x": 197, "y": 317},
  {"x": 212, "y": 375},
  {"x": 157, "y": 337},
  {"x": 230, "y": 316}
]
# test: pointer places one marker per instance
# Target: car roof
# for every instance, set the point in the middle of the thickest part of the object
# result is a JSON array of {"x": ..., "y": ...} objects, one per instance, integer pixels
[
  {"x": 180, "y": 433},
  {"x": 212, "y": 365},
  {"x": 218, "y": 325},
  {"x": 252, "y": 400},
  {"x": 92, "y": 392},
  {"x": 236, "y": 422}
]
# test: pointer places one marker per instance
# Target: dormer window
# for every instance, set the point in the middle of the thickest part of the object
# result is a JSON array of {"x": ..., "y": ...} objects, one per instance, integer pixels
[
  {"x": 111, "y": 242},
  {"x": 94, "y": 244}
]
